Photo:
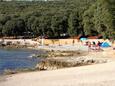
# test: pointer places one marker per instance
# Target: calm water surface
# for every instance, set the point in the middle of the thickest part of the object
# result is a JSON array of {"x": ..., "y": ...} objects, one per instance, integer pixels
[{"x": 17, "y": 59}]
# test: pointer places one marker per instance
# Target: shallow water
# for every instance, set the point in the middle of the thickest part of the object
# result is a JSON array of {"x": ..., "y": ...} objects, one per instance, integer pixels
[{"x": 17, "y": 59}]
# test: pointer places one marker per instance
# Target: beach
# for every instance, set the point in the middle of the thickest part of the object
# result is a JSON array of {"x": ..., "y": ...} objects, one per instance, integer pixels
[
  {"x": 92, "y": 75},
  {"x": 102, "y": 74}
]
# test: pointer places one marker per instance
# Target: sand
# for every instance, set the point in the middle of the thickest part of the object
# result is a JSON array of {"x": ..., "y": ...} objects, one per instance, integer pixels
[{"x": 92, "y": 75}]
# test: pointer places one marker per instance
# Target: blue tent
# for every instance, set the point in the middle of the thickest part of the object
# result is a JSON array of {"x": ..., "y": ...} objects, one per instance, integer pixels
[{"x": 105, "y": 44}]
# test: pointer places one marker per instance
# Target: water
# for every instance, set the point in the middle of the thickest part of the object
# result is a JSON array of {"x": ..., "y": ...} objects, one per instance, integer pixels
[{"x": 17, "y": 59}]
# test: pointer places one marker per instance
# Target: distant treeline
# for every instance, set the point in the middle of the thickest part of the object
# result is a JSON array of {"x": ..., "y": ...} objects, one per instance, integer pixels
[{"x": 58, "y": 18}]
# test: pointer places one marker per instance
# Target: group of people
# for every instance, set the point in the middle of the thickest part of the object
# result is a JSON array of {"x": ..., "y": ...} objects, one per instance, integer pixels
[{"x": 93, "y": 45}]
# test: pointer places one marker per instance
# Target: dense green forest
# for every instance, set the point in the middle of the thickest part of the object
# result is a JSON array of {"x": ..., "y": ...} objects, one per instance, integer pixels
[{"x": 58, "y": 18}]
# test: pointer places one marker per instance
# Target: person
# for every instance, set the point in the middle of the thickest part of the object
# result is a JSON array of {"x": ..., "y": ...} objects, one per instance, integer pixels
[
  {"x": 86, "y": 43},
  {"x": 89, "y": 45},
  {"x": 93, "y": 45},
  {"x": 99, "y": 45},
  {"x": 73, "y": 41}
]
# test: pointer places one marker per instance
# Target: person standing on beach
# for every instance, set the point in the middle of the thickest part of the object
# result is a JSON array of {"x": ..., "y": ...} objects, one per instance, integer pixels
[
  {"x": 89, "y": 45},
  {"x": 98, "y": 45},
  {"x": 73, "y": 42}
]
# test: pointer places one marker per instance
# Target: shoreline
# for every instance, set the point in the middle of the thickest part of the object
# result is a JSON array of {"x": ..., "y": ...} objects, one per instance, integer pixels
[
  {"x": 66, "y": 48},
  {"x": 90, "y": 75},
  {"x": 89, "y": 58},
  {"x": 69, "y": 48},
  {"x": 66, "y": 76}
]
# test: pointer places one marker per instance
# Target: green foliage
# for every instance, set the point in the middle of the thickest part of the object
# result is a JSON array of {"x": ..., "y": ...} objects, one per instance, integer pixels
[
  {"x": 98, "y": 18},
  {"x": 53, "y": 18}
]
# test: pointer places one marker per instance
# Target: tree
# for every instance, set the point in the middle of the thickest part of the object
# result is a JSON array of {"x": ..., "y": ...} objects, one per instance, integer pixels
[
  {"x": 8, "y": 28},
  {"x": 88, "y": 21},
  {"x": 103, "y": 19},
  {"x": 14, "y": 27},
  {"x": 73, "y": 17},
  {"x": 74, "y": 26},
  {"x": 56, "y": 25},
  {"x": 19, "y": 27}
]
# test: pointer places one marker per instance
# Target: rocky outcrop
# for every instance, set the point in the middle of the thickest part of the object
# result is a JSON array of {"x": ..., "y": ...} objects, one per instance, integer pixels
[
  {"x": 18, "y": 43},
  {"x": 14, "y": 45},
  {"x": 58, "y": 53},
  {"x": 63, "y": 62}
]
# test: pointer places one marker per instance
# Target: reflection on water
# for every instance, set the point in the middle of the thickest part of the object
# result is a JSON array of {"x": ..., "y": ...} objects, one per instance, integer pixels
[{"x": 17, "y": 59}]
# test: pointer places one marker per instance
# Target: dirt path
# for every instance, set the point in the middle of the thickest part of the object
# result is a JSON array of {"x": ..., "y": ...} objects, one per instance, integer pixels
[{"x": 92, "y": 75}]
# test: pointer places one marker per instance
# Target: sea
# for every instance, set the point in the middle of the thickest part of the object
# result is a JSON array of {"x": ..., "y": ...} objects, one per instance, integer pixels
[{"x": 14, "y": 59}]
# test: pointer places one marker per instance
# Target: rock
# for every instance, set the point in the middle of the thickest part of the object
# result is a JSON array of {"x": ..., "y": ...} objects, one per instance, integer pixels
[
  {"x": 57, "y": 63},
  {"x": 64, "y": 59}
]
